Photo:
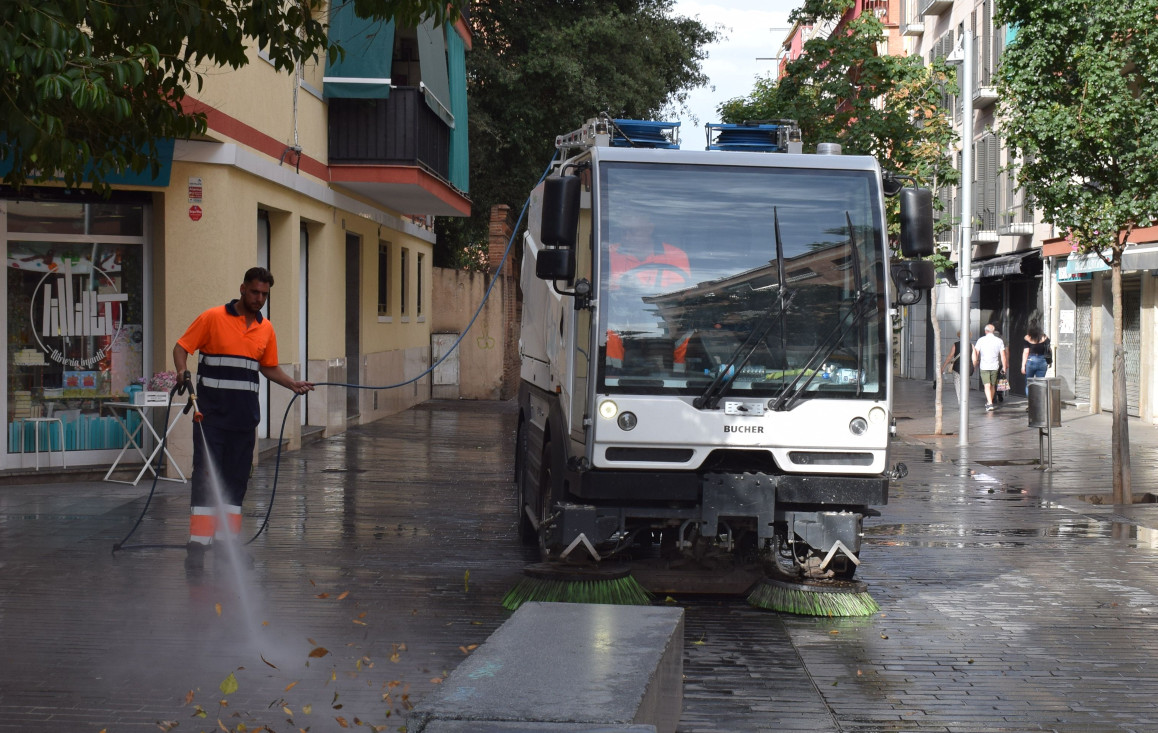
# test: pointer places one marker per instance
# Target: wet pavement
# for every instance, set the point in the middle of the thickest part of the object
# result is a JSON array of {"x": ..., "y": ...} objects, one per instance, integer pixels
[{"x": 1009, "y": 603}]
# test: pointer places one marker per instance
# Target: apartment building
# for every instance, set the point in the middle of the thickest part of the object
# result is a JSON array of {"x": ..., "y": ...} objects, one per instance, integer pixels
[{"x": 331, "y": 177}]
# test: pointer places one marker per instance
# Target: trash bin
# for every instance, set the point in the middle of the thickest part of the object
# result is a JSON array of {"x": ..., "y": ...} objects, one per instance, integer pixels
[{"x": 1044, "y": 402}]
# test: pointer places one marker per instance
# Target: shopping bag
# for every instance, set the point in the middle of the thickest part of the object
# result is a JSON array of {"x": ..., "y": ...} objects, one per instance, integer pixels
[{"x": 1003, "y": 385}]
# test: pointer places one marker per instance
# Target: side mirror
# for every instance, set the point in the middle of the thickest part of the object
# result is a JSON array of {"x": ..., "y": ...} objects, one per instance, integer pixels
[
  {"x": 555, "y": 264},
  {"x": 912, "y": 278},
  {"x": 560, "y": 211},
  {"x": 916, "y": 222}
]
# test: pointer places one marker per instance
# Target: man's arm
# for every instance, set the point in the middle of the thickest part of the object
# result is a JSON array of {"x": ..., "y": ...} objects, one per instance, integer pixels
[
  {"x": 180, "y": 359},
  {"x": 276, "y": 375}
]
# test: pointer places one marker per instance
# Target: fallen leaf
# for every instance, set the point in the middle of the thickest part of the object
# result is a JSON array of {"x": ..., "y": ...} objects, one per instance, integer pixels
[
  {"x": 265, "y": 623},
  {"x": 322, "y": 595},
  {"x": 189, "y": 697},
  {"x": 320, "y": 651},
  {"x": 883, "y": 636},
  {"x": 285, "y": 709},
  {"x": 360, "y": 623},
  {"x": 669, "y": 599},
  {"x": 222, "y": 726},
  {"x": 834, "y": 631},
  {"x": 333, "y": 675},
  {"x": 218, "y": 607},
  {"x": 436, "y": 680},
  {"x": 466, "y": 582},
  {"x": 311, "y": 641},
  {"x": 307, "y": 709},
  {"x": 290, "y": 686},
  {"x": 342, "y": 722},
  {"x": 311, "y": 582},
  {"x": 199, "y": 712},
  {"x": 166, "y": 724},
  {"x": 267, "y": 661},
  {"x": 362, "y": 615},
  {"x": 343, "y": 594},
  {"x": 229, "y": 685}
]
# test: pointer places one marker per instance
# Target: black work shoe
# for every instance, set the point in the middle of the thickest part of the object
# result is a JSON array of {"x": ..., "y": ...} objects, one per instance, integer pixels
[{"x": 195, "y": 556}]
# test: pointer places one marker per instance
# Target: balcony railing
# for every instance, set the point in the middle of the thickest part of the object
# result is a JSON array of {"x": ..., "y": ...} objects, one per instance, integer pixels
[{"x": 399, "y": 130}]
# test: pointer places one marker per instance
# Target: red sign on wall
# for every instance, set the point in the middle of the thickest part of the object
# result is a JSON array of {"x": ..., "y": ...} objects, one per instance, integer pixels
[{"x": 195, "y": 213}]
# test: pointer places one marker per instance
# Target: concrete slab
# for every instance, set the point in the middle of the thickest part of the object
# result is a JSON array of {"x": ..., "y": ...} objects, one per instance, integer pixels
[
  {"x": 587, "y": 667},
  {"x": 475, "y": 726}
]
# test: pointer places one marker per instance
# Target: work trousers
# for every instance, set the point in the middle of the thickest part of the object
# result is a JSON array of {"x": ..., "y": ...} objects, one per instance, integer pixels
[{"x": 222, "y": 460}]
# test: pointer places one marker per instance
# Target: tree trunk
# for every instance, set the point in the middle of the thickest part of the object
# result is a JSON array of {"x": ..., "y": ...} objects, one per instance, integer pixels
[
  {"x": 1120, "y": 442},
  {"x": 939, "y": 379}
]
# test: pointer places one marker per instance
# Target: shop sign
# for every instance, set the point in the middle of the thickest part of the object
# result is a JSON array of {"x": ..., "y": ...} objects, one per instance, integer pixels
[{"x": 69, "y": 312}]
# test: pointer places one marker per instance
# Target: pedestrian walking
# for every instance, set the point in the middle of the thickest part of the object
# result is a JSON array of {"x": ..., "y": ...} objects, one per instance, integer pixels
[
  {"x": 952, "y": 365},
  {"x": 991, "y": 357},
  {"x": 1035, "y": 356},
  {"x": 236, "y": 344}
]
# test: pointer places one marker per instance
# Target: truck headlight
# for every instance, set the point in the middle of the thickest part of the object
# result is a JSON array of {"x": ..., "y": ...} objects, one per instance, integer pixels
[{"x": 607, "y": 409}]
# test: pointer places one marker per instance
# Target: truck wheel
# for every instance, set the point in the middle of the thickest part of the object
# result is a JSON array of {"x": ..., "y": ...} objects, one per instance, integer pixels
[{"x": 527, "y": 534}]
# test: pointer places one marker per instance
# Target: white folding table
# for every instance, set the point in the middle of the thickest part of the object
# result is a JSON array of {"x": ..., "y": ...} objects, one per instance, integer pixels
[{"x": 136, "y": 437}]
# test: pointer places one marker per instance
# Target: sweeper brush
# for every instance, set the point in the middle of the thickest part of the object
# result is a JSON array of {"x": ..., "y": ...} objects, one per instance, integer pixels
[
  {"x": 814, "y": 597},
  {"x": 566, "y": 584}
]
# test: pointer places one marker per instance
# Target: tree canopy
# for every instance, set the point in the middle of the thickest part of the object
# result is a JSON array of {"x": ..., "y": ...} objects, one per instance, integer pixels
[
  {"x": 841, "y": 90},
  {"x": 87, "y": 87},
  {"x": 540, "y": 68},
  {"x": 1079, "y": 87}
]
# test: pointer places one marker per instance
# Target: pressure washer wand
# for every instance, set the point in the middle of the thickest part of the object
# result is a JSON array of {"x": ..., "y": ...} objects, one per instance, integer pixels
[{"x": 186, "y": 384}]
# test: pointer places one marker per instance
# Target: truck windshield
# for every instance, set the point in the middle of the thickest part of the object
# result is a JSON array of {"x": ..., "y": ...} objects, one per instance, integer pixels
[{"x": 690, "y": 276}]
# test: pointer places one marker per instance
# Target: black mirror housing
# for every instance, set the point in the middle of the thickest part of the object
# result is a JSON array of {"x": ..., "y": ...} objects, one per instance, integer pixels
[
  {"x": 912, "y": 278},
  {"x": 560, "y": 211},
  {"x": 916, "y": 222},
  {"x": 555, "y": 264}
]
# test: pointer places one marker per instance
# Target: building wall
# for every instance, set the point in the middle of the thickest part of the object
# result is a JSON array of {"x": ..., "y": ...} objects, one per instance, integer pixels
[{"x": 266, "y": 151}]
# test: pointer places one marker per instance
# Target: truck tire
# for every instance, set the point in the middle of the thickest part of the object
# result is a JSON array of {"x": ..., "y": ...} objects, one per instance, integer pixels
[
  {"x": 527, "y": 534},
  {"x": 545, "y": 499}
]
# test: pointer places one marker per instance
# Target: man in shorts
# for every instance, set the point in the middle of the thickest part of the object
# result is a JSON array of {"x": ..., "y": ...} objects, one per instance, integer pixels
[{"x": 990, "y": 355}]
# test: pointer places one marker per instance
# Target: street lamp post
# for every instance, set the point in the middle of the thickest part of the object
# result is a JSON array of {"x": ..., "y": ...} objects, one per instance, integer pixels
[{"x": 964, "y": 55}]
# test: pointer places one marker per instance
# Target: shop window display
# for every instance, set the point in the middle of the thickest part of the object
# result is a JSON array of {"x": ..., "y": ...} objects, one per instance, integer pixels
[{"x": 74, "y": 325}]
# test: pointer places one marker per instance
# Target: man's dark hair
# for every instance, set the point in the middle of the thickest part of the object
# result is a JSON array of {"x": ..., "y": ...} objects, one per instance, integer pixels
[{"x": 260, "y": 274}]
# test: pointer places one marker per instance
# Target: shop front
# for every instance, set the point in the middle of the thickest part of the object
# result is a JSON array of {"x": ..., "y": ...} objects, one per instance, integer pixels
[{"x": 77, "y": 325}]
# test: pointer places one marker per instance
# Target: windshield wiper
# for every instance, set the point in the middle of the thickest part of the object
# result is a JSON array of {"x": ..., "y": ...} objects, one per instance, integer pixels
[
  {"x": 863, "y": 305},
  {"x": 729, "y": 370}
]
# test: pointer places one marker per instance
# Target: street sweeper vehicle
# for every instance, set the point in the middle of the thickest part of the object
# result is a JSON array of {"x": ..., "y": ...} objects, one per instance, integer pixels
[{"x": 705, "y": 402}]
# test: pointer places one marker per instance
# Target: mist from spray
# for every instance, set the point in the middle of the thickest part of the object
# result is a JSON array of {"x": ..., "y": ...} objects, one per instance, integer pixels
[{"x": 229, "y": 544}]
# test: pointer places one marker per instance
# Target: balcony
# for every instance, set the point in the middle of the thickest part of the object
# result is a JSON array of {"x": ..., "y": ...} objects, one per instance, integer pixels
[
  {"x": 984, "y": 97},
  {"x": 915, "y": 28},
  {"x": 394, "y": 151},
  {"x": 935, "y": 7}
]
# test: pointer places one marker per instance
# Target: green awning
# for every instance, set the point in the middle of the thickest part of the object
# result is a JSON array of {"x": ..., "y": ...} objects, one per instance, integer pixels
[
  {"x": 459, "y": 173},
  {"x": 432, "y": 60},
  {"x": 364, "y": 71}
]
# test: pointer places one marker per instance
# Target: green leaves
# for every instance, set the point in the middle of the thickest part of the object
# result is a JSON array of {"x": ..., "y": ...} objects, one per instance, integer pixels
[{"x": 1078, "y": 90}]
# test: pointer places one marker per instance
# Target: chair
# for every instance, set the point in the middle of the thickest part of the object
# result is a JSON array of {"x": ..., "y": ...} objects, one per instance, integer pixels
[{"x": 36, "y": 423}]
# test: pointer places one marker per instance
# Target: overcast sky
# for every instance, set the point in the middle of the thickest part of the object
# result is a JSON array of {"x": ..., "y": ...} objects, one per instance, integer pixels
[{"x": 752, "y": 29}]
